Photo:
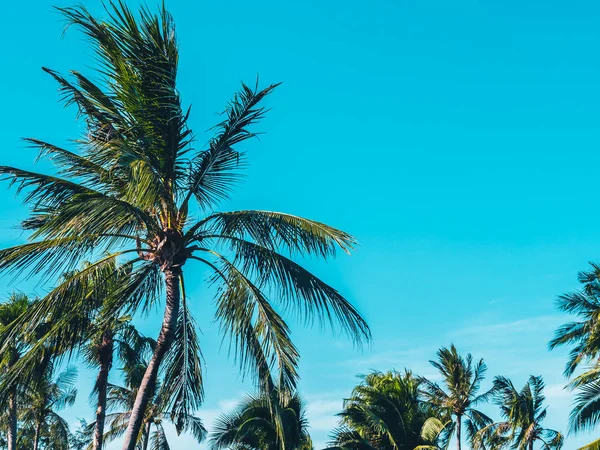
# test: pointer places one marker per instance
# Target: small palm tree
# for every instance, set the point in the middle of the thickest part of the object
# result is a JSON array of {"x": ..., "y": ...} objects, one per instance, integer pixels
[
  {"x": 462, "y": 379},
  {"x": 121, "y": 401},
  {"x": 43, "y": 400},
  {"x": 254, "y": 425},
  {"x": 523, "y": 412},
  {"x": 137, "y": 188},
  {"x": 10, "y": 311},
  {"x": 119, "y": 337},
  {"x": 385, "y": 412}
]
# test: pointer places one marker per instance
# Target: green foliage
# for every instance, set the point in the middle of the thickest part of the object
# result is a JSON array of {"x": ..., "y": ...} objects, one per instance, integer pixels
[
  {"x": 386, "y": 411},
  {"x": 523, "y": 413},
  {"x": 122, "y": 398},
  {"x": 137, "y": 190},
  {"x": 40, "y": 407},
  {"x": 462, "y": 379},
  {"x": 582, "y": 335},
  {"x": 255, "y": 423},
  {"x": 584, "y": 338}
]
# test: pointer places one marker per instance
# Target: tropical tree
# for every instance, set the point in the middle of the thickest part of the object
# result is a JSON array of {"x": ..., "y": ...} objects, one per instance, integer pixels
[
  {"x": 119, "y": 337},
  {"x": 255, "y": 423},
  {"x": 135, "y": 188},
  {"x": 523, "y": 413},
  {"x": 39, "y": 413},
  {"x": 584, "y": 334},
  {"x": 121, "y": 401},
  {"x": 385, "y": 412},
  {"x": 10, "y": 311},
  {"x": 462, "y": 379}
]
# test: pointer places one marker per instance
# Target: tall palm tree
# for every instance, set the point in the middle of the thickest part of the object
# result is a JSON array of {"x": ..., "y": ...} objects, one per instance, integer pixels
[
  {"x": 10, "y": 311},
  {"x": 523, "y": 412},
  {"x": 385, "y": 412},
  {"x": 583, "y": 335},
  {"x": 121, "y": 401},
  {"x": 136, "y": 188},
  {"x": 462, "y": 379},
  {"x": 43, "y": 400},
  {"x": 255, "y": 422}
]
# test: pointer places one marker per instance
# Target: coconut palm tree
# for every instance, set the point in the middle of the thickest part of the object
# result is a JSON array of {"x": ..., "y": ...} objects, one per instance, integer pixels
[
  {"x": 121, "y": 400},
  {"x": 137, "y": 188},
  {"x": 255, "y": 422},
  {"x": 10, "y": 311},
  {"x": 462, "y": 379},
  {"x": 583, "y": 335},
  {"x": 89, "y": 332},
  {"x": 385, "y": 412},
  {"x": 119, "y": 337},
  {"x": 523, "y": 413},
  {"x": 43, "y": 400}
]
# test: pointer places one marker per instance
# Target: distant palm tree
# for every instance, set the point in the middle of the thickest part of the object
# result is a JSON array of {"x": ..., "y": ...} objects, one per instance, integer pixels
[
  {"x": 254, "y": 425},
  {"x": 462, "y": 379},
  {"x": 582, "y": 335},
  {"x": 121, "y": 400},
  {"x": 88, "y": 330},
  {"x": 136, "y": 188},
  {"x": 523, "y": 412},
  {"x": 120, "y": 337},
  {"x": 386, "y": 412},
  {"x": 585, "y": 414},
  {"x": 43, "y": 400},
  {"x": 10, "y": 311}
]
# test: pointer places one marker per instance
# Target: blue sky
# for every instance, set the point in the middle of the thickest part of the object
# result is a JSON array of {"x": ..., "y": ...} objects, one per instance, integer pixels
[{"x": 457, "y": 140}]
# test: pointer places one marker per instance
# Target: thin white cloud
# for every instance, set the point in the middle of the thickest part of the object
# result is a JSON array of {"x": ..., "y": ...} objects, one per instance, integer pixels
[{"x": 540, "y": 323}]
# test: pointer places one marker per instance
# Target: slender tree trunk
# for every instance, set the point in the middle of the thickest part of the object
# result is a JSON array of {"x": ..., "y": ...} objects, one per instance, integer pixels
[
  {"x": 163, "y": 343},
  {"x": 146, "y": 435},
  {"x": 12, "y": 419},
  {"x": 105, "y": 357},
  {"x": 36, "y": 436},
  {"x": 458, "y": 431}
]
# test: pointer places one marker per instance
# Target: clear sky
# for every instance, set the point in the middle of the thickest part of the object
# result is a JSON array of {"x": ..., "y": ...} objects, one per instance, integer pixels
[{"x": 458, "y": 141}]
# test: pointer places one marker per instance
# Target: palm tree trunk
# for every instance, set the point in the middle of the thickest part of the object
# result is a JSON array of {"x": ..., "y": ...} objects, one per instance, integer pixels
[
  {"x": 458, "y": 431},
  {"x": 12, "y": 419},
  {"x": 146, "y": 435},
  {"x": 163, "y": 343},
  {"x": 105, "y": 354},
  {"x": 36, "y": 436}
]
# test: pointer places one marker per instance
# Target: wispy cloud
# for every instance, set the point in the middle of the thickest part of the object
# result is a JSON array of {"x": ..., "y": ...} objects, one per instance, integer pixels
[{"x": 539, "y": 323}]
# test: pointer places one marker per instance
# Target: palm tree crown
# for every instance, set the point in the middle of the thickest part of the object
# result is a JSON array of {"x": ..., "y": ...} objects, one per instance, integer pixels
[
  {"x": 39, "y": 414},
  {"x": 582, "y": 335},
  {"x": 255, "y": 423},
  {"x": 385, "y": 412},
  {"x": 137, "y": 190},
  {"x": 523, "y": 412},
  {"x": 462, "y": 379}
]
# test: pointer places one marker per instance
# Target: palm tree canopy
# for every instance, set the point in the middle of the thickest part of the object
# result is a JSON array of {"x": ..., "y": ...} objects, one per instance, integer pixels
[
  {"x": 460, "y": 395},
  {"x": 523, "y": 413},
  {"x": 43, "y": 401},
  {"x": 583, "y": 335},
  {"x": 136, "y": 189},
  {"x": 254, "y": 425},
  {"x": 385, "y": 412},
  {"x": 120, "y": 403}
]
